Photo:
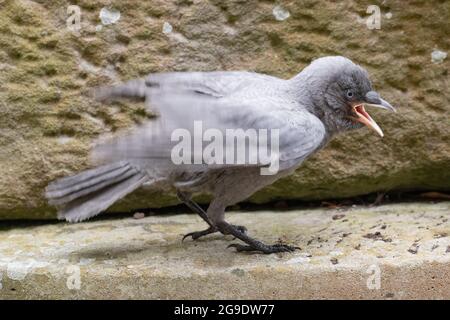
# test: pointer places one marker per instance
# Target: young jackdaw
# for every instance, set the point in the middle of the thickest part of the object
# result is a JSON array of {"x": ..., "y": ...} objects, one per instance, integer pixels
[{"x": 328, "y": 97}]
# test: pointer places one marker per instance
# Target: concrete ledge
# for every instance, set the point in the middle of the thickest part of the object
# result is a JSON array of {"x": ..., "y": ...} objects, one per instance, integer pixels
[{"x": 390, "y": 251}]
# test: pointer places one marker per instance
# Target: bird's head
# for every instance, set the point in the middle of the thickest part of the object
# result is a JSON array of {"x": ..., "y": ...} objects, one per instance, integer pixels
[{"x": 340, "y": 92}]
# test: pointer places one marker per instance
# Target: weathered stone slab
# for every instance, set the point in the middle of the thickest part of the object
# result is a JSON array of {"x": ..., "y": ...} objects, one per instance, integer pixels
[{"x": 391, "y": 251}]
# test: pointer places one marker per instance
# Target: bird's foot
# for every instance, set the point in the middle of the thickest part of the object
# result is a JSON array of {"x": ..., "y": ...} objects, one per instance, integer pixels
[
  {"x": 263, "y": 248},
  {"x": 198, "y": 234},
  {"x": 252, "y": 244}
]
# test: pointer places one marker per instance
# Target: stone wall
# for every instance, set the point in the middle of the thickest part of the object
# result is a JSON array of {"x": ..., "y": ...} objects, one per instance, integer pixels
[{"x": 47, "y": 123}]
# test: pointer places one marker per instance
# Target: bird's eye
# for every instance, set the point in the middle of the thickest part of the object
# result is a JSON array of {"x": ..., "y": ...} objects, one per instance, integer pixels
[{"x": 349, "y": 94}]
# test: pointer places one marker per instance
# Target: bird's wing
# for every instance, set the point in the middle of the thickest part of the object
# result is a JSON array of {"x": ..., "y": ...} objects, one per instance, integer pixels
[
  {"x": 300, "y": 132},
  {"x": 215, "y": 84}
]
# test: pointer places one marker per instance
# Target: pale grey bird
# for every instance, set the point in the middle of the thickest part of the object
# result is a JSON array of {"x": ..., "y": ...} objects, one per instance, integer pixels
[{"x": 326, "y": 98}]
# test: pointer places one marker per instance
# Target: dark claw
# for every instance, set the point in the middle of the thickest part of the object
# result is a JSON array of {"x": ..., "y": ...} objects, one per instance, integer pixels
[
  {"x": 198, "y": 234},
  {"x": 190, "y": 234}
]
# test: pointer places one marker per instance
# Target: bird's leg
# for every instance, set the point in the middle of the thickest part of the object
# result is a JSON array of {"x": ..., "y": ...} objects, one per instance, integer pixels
[
  {"x": 252, "y": 244},
  {"x": 198, "y": 234},
  {"x": 185, "y": 198}
]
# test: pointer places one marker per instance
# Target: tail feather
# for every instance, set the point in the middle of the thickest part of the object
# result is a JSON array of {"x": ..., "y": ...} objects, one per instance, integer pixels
[
  {"x": 67, "y": 182},
  {"x": 77, "y": 191},
  {"x": 90, "y": 192},
  {"x": 84, "y": 208}
]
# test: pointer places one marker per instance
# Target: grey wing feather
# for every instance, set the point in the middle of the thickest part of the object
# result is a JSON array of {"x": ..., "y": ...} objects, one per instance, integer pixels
[
  {"x": 220, "y": 100},
  {"x": 216, "y": 84}
]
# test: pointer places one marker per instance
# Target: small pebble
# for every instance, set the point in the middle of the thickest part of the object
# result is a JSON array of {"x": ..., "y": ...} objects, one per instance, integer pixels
[
  {"x": 438, "y": 56},
  {"x": 414, "y": 248},
  {"x": 109, "y": 16},
  {"x": 280, "y": 13},
  {"x": 167, "y": 28},
  {"x": 139, "y": 215}
]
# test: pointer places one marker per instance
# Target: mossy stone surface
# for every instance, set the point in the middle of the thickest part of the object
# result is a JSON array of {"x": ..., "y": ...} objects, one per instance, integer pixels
[
  {"x": 48, "y": 122},
  {"x": 399, "y": 251}
]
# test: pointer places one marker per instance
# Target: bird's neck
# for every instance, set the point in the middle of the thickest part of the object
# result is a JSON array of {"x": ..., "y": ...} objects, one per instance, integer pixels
[{"x": 310, "y": 95}]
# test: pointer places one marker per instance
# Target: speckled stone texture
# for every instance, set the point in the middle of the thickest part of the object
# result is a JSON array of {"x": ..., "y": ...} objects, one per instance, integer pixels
[
  {"x": 47, "y": 123},
  {"x": 388, "y": 252}
]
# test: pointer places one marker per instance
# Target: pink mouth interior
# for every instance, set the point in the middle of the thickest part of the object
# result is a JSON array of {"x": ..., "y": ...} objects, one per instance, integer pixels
[{"x": 361, "y": 111}]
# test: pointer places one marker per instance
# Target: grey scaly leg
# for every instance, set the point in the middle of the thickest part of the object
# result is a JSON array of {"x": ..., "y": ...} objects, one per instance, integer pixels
[{"x": 185, "y": 198}]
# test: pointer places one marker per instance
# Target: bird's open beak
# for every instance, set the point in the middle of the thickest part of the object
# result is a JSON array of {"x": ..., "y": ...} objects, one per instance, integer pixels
[{"x": 372, "y": 100}]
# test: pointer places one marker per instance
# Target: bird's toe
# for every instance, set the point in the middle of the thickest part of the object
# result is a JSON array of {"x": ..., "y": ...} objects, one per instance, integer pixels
[
  {"x": 198, "y": 234},
  {"x": 267, "y": 249}
]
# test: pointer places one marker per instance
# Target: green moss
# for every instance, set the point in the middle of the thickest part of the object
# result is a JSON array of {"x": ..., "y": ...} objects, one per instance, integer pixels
[
  {"x": 49, "y": 96},
  {"x": 48, "y": 42},
  {"x": 144, "y": 34}
]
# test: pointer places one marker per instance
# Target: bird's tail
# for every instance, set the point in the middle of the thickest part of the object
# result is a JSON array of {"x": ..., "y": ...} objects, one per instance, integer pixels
[{"x": 88, "y": 193}]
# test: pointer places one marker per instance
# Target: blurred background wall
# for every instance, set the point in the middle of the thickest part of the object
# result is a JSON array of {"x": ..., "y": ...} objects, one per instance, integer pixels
[{"x": 48, "y": 123}]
